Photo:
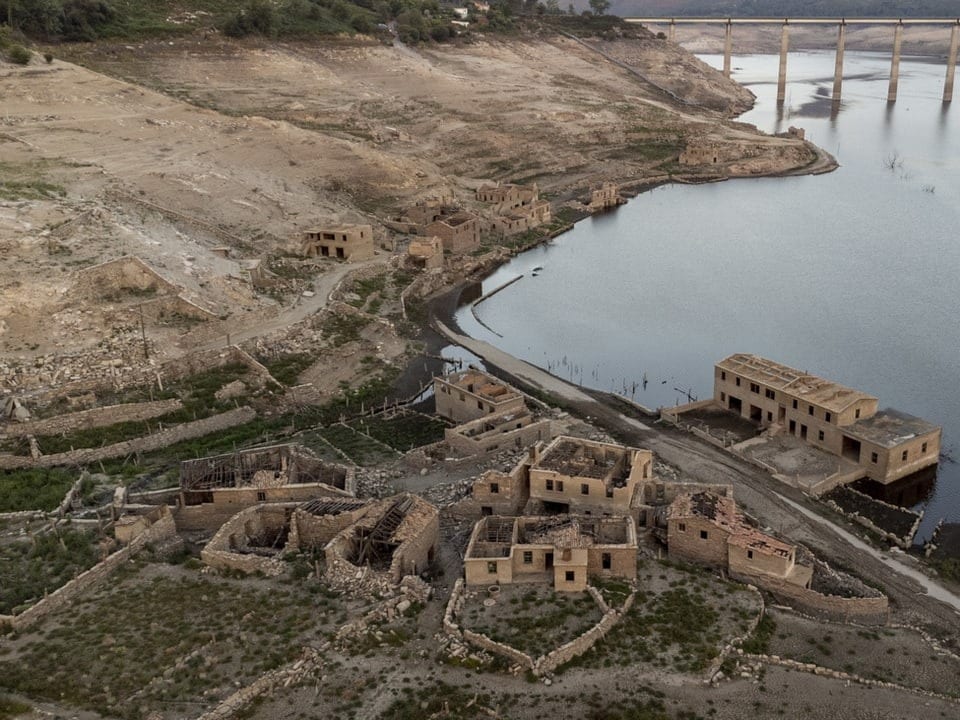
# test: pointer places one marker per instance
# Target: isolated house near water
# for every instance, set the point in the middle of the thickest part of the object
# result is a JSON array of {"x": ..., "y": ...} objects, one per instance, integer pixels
[{"x": 887, "y": 444}]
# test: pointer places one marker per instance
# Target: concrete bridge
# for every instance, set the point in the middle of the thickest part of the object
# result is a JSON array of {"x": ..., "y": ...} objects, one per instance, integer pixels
[{"x": 841, "y": 25}]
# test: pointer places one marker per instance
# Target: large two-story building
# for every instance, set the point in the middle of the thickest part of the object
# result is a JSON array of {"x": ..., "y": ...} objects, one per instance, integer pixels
[{"x": 888, "y": 444}]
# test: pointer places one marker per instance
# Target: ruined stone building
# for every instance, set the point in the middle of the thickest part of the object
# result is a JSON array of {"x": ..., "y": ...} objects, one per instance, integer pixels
[
  {"x": 346, "y": 242},
  {"x": 576, "y": 475},
  {"x": 397, "y": 536},
  {"x": 426, "y": 253},
  {"x": 470, "y": 394},
  {"x": 888, "y": 444},
  {"x": 430, "y": 210},
  {"x": 702, "y": 151},
  {"x": 607, "y": 196},
  {"x": 492, "y": 415},
  {"x": 564, "y": 550},
  {"x": 516, "y": 208},
  {"x": 213, "y": 489},
  {"x": 459, "y": 232},
  {"x": 387, "y": 538},
  {"x": 707, "y": 528}
]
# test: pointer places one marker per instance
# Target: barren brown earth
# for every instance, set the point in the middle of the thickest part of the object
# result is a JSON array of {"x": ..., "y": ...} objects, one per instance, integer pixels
[{"x": 201, "y": 155}]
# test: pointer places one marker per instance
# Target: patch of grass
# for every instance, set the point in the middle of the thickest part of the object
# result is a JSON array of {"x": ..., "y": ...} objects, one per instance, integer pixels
[
  {"x": 204, "y": 634},
  {"x": 32, "y": 567},
  {"x": 342, "y": 329},
  {"x": 34, "y": 489},
  {"x": 286, "y": 369},
  {"x": 439, "y": 699},
  {"x": 759, "y": 642},
  {"x": 362, "y": 450},
  {"x": 402, "y": 432},
  {"x": 10, "y": 708}
]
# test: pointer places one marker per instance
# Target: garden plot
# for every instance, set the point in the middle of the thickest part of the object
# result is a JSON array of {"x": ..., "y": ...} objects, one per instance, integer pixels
[
  {"x": 680, "y": 619},
  {"x": 361, "y": 449},
  {"x": 534, "y": 619},
  {"x": 166, "y": 638},
  {"x": 893, "y": 655},
  {"x": 404, "y": 431}
]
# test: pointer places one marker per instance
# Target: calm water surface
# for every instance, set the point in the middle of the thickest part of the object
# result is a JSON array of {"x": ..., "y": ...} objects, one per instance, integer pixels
[{"x": 851, "y": 275}]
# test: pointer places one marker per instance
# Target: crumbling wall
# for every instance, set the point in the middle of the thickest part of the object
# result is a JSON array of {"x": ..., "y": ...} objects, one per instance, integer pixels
[
  {"x": 516, "y": 438},
  {"x": 417, "y": 550},
  {"x": 688, "y": 545},
  {"x": 867, "y": 610},
  {"x": 221, "y": 552},
  {"x": 95, "y": 417},
  {"x": 314, "y": 531},
  {"x": 148, "y": 443}
]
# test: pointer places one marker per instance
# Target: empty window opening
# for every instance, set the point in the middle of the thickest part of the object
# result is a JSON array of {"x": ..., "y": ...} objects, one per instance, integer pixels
[
  {"x": 495, "y": 487},
  {"x": 606, "y": 561},
  {"x": 528, "y": 557},
  {"x": 570, "y": 576},
  {"x": 704, "y": 535}
]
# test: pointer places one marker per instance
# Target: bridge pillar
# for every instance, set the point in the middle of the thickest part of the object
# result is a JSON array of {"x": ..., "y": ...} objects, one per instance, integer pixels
[
  {"x": 782, "y": 79},
  {"x": 895, "y": 63},
  {"x": 672, "y": 31},
  {"x": 951, "y": 64},
  {"x": 727, "y": 48},
  {"x": 838, "y": 68}
]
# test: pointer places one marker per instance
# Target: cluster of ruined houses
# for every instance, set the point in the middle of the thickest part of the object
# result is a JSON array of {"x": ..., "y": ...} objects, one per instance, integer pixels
[
  {"x": 441, "y": 224},
  {"x": 570, "y": 510}
]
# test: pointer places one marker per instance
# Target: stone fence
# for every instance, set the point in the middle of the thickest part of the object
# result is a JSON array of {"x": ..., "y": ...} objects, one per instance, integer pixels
[
  {"x": 544, "y": 664},
  {"x": 866, "y": 610},
  {"x": 95, "y": 417},
  {"x": 162, "y": 529},
  {"x": 147, "y": 443}
]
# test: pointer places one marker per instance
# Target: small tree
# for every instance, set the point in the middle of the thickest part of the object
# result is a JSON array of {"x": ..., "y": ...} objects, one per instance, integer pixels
[{"x": 599, "y": 7}]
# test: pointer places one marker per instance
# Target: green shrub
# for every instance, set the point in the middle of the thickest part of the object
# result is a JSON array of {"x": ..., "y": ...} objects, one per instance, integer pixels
[
  {"x": 48, "y": 57},
  {"x": 19, "y": 55}
]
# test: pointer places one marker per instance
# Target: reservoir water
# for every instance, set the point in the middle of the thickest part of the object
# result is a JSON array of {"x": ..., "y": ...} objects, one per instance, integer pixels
[{"x": 853, "y": 275}]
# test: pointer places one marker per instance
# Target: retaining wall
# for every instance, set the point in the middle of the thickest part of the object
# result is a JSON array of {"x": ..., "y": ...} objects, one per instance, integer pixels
[
  {"x": 148, "y": 443},
  {"x": 95, "y": 417}
]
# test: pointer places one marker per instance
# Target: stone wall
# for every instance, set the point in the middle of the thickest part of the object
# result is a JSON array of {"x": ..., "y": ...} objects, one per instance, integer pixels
[
  {"x": 148, "y": 443},
  {"x": 222, "y": 552},
  {"x": 163, "y": 529},
  {"x": 688, "y": 545},
  {"x": 95, "y": 417},
  {"x": 866, "y": 610},
  {"x": 578, "y": 646}
]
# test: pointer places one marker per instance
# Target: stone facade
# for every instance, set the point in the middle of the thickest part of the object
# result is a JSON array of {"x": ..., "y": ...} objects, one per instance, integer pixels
[
  {"x": 888, "y": 445},
  {"x": 516, "y": 208},
  {"x": 345, "y": 242},
  {"x": 459, "y": 233},
  {"x": 470, "y": 394},
  {"x": 607, "y": 196},
  {"x": 559, "y": 549},
  {"x": 426, "y": 253},
  {"x": 575, "y": 475},
  {"x": 494, "y": 432},
  {"x": 707, "y": 528},
  {"x": 396, "y": 537},
  {"x": 217, "y": 487}
]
